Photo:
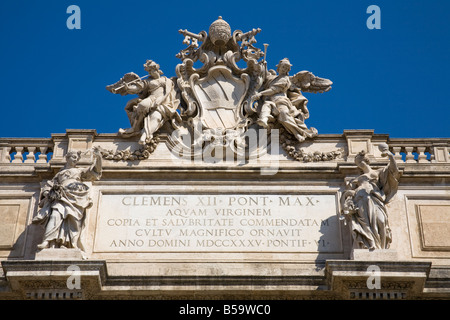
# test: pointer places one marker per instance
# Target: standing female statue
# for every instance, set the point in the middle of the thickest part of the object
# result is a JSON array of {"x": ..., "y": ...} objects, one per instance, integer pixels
[
  {"x": 64, "y": 201},
  {"x": 365, "y": 199}
]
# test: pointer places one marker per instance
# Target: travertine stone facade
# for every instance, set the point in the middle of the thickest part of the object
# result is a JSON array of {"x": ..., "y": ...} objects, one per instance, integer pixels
[
  {"x": 170, "y": 227},
  {"x": 220, "y": 189}
]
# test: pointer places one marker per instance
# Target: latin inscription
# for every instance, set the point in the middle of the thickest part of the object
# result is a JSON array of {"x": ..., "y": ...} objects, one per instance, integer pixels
[{"x": 189, "y": 222}]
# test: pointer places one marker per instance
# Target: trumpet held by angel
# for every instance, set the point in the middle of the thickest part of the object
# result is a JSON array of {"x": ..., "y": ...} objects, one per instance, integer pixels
[{"x": 156, "y": 102}]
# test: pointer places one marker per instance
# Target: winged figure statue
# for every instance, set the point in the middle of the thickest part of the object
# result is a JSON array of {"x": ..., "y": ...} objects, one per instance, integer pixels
[
  {"x": 282, "y": 100},
  {"x": 156, "y": 102}
]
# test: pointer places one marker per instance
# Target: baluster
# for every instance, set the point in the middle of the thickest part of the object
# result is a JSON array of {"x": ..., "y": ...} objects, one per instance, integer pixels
[
  {"x": 18, "y": 157},
  {"x": 5, "y": 156},
  {"x": 422, "y": 158},
  {"x": 431, "y": 151},
  {"x": 397, "y": 155},
  {"x": 43, "y": 155},
  {"x": 30, "y": 157},
  {"x": 409, "y": 155}
]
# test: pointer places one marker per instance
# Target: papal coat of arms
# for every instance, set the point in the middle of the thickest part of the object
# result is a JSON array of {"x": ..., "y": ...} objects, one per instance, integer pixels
[{"x": 216, "y": 104}]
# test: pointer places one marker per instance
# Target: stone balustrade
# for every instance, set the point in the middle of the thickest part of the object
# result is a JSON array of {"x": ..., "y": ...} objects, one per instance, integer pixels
[
  {"x": 29, "y": 151},
  {"x": 415, "y": 266},
  {"x": 38, "y": 151},
  {"x": 432, "y": 150}
]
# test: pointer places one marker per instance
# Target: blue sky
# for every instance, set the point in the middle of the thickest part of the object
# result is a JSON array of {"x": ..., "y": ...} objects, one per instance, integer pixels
[{"x": 393, "y": 80}]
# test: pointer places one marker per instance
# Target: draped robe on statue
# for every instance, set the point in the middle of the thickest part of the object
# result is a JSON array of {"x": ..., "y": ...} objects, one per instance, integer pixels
[
  {"x": 64, "y": 203},
  {"x": 370, "y": 226}
]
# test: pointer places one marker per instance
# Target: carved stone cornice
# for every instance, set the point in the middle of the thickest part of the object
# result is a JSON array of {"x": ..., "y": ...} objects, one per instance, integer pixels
[
  {"x": 47, "y": 279},
  {"x": 397, "y": 279}
]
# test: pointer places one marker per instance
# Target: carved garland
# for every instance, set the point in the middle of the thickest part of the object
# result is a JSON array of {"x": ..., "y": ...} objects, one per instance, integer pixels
[
  {"x": 126, "y": 155},
  {"x": 285, "y": 139},
  {"x": 287, "y": 143}
]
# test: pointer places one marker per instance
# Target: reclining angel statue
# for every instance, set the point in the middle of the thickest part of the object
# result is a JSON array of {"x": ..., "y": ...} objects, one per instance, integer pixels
[
  {"x": 64, "y": 200},
  {"x": 156, "y": 102},
  {"x": 282, "y": 99},
  {"x": 364, "y": 202}
]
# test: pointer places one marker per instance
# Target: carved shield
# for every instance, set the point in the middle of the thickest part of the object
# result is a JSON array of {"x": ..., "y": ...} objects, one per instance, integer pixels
[{"x": 220, "y": 96}]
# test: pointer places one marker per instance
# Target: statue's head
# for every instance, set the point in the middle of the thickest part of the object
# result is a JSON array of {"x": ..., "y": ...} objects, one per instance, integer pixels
[
  {"x": 151, "y": 66},
  {"x": 361, "y": 159},
  {"x": 284, "y": 65},
  {"x": 73, "y": 156}
]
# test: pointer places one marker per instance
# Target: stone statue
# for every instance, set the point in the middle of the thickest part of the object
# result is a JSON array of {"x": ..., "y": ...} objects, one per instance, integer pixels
[
  {"x": 282, "y": 99},
  {"x": 156, "y": 102},
  {"x": 222, "y": 88},
  {"x": 365, "y": 199},
  {"x": 64, "y": 201}
]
